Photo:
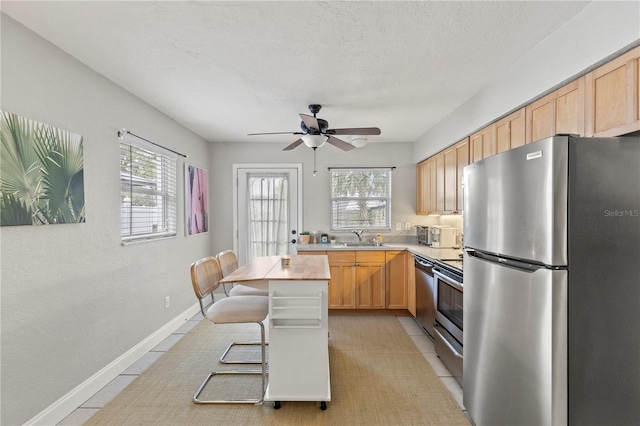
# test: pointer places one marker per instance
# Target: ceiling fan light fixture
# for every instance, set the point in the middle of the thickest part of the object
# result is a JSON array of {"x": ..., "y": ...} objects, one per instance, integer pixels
[
  {"x": 314, "y": 141},
  {"x": 359, "y": 141}
]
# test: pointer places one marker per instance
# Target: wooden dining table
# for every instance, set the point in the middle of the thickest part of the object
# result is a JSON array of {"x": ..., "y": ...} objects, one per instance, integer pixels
[{"x": 298, "y": 324}]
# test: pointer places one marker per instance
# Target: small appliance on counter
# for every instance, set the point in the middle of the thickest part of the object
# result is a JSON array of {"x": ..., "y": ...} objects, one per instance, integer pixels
[
  {"x": 437, "y": 236},
  {"x": 444, "y": 237}
]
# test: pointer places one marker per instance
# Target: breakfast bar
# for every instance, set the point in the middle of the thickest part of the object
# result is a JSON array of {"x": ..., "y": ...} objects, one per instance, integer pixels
[{"x": 298, "y": 326}]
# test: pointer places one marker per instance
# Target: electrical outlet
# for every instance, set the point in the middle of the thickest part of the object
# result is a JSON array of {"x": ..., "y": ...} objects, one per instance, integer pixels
[
  {"x": 398, "y": 226},
  {"x": 407, "y": 226},
  {"x": 166, "y": 302}
]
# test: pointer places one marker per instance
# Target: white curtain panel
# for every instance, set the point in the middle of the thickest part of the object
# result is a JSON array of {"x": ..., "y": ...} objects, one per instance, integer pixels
[{"x": 268, "y": 204}]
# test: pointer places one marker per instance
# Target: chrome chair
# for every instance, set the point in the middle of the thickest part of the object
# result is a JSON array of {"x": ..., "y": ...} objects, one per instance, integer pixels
[
  {"x": 229, "y": 263},
  {"x": 205, "y": 277}
]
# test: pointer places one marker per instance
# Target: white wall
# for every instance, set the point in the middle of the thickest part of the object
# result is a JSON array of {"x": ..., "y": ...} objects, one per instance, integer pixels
[
  {"x": 73, "y": 299},
  {"x": 315, "y": 190},
  {"x": 599, "y": 30}
]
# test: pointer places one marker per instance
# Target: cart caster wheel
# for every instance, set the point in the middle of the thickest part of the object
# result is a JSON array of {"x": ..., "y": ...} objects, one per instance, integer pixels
[
  {"x": 323, "y": 405},
  {"x": 276, "y": 405}
]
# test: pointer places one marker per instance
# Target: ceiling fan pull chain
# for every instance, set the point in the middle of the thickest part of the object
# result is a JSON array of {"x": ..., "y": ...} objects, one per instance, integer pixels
[{"x": 314, "y": 162}]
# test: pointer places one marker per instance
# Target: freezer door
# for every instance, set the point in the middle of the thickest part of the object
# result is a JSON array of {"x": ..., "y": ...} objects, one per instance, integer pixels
[
  {"x": 515, "y": 346},
  {"x": 516, "y": 202}
]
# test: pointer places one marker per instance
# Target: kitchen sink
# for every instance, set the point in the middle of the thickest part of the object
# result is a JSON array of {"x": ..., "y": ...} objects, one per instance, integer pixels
[{"x": 359, "y": 244}]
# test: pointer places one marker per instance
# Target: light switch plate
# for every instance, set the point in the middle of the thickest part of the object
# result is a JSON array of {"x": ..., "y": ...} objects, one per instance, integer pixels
[{"x": 398, "y": 226}]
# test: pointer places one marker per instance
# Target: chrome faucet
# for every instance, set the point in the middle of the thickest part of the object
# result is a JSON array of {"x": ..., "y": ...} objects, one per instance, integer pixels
[{"x": 359, "y": 233}]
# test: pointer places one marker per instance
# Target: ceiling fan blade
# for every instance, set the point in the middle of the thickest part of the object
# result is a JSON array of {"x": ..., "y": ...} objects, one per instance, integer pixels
[
  {"x": 275, "y": 133},
  {"x": 364, "y": 131},
  {"x": 293, "y": 145},
  {"x": 310, "y": 122},
  {"x": 340, "y": 143}
]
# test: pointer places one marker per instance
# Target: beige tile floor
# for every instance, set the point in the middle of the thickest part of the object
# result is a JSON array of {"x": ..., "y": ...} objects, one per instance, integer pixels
[{"x": 102, "y": 397}]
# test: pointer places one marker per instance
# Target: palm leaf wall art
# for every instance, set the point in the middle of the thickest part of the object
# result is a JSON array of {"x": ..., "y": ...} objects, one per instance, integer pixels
[{"x": 41, "y": 173}]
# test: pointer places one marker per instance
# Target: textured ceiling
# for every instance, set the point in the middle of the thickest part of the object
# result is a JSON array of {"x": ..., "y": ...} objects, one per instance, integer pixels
[{"x": 225, "y": 69}]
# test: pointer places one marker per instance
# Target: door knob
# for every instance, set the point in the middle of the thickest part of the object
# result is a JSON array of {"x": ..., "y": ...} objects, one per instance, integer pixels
[{"x": 293, "y": 241}]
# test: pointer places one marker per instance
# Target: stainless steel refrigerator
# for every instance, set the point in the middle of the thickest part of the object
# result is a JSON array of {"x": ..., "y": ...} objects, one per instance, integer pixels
[{"x": 552, "y": 284}]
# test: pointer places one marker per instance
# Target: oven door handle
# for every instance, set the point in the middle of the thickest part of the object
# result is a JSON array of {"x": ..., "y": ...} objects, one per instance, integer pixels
[
  {"x": 448, "y": 280},
  {"x": 446, "y": 342}
]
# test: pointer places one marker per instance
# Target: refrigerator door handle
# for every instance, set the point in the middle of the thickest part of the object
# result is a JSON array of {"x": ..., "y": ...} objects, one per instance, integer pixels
[{"x": 503, "y": 261}]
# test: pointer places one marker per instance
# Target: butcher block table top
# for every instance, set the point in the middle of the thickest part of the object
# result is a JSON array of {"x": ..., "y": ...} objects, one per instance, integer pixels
[{"x": 271, "y": 268}]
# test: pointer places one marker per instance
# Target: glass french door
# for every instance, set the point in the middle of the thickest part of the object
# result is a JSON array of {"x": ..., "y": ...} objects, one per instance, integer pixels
[{"x": 267, "y": 213}]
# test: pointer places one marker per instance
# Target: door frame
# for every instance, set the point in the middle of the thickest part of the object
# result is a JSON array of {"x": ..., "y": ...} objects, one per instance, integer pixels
[{"x": 236, "y": 167}]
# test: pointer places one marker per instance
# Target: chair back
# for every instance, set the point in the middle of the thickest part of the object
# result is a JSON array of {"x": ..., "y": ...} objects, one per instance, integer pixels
[
  {"x": 205, "y": 276},
  {"x": 228, "y": 262}
]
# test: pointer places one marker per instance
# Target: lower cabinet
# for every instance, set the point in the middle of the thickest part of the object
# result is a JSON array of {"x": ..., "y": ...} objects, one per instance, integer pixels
[
  {"x": 369, "y": 279},
  {"x": 398, "y": 280}
]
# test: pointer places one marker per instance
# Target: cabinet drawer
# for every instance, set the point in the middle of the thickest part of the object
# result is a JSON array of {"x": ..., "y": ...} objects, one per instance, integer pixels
[
  {"x": 311, "y": 253},
  {"x": 341, "y": 256},
  {"x": 365, "y": 256}
]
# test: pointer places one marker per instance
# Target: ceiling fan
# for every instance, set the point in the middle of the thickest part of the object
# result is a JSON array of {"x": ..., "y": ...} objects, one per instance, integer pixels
[{"x": 316, "y": 131}]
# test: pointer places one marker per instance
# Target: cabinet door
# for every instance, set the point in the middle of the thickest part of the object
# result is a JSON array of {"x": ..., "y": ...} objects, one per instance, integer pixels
[
  {"x": 342, "y": 285},
  {"x": 397, "y": 280},
  {"x": 370, "y": 279},
  {"x": 510, "y": 131},
  {"x": 423, "y": 177},
  {"x": 450, "y": 180},
  {"x": 483, "y": 143},
  {"x": 462, "y": 158},
  {"x": 439, "y": 164},
  {"x": 612, "y": 96},
  {"x": 561, "y": 111}
]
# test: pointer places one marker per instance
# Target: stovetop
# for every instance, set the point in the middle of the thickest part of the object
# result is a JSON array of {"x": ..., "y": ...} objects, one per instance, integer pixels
[{"x": 457, "y": 264}]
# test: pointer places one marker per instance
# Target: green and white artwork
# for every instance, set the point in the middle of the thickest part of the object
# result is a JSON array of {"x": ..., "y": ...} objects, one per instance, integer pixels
[{"x": 41, "y": 173}]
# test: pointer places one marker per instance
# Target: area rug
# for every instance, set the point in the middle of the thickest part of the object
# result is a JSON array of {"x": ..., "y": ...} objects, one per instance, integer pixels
[{"x": 378, "y": 377}]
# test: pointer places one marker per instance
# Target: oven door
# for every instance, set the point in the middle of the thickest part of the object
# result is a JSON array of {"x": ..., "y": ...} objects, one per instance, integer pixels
[{"x": 449, "y": 293}]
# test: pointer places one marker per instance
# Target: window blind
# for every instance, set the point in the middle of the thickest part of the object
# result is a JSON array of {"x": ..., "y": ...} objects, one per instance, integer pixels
[
  {"x": 360, "y": 198},
  {"x": 147, "y": 191}
]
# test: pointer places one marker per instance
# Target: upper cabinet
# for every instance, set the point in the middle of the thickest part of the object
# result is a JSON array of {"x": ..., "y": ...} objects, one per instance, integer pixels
[
  {"x": 510, "y": 131},
  {"x": 440, "y": 180},
  {"x": 613, "y": 97},
  {"x": 604, "y": 102},
  {"x": 462, "y": 159},
  {"x": 482, "y": 144},
  {"x": 561, "y": 111}
]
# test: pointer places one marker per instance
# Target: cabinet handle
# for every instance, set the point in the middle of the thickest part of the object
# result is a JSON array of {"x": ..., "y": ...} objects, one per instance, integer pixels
[{"x": 356, "y": 264}]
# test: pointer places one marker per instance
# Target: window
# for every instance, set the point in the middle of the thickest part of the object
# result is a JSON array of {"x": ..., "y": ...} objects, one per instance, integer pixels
[
  {"x": 360, "y": 198},
  {"x": 147, "y": 191}
]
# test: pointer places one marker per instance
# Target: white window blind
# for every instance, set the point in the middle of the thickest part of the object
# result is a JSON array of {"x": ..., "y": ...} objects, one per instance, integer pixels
[
  {"x": 147, "y": 191},
  {"x": 360, "y": 198}
]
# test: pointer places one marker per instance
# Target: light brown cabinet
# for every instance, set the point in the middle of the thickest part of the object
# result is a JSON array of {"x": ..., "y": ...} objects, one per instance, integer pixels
[
  {"x": 358, "y": 278},
  {"x": 423, "y": 182},
  {"x": 561, "y": 111},
  {"x": 462, "y": 160},
  {"x": 342, "y": 288},
  {"x": 370, "y": 279},
  {"x": 613, "y": 97},
  {"x": 450, "y": 180},
  {"x": 482, "y": 144},
  {"x": 398, "y": 280},
  {"x": 510, "y": 131},
  {"x": 440, "y": 180}
]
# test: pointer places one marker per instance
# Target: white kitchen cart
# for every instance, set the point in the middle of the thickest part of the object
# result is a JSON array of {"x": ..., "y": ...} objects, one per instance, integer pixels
[
  {"x": 298, "y": 325},
  {"x": 298, "y": 342}
]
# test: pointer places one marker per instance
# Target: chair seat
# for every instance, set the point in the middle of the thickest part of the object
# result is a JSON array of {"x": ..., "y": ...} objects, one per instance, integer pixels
[
  {"x": 238, "y": 310},
  {"x": 244, "y": 290}
]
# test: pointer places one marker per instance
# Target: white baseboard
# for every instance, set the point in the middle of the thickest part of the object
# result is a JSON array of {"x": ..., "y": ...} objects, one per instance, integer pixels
[{"x": 60, "y": 409}]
